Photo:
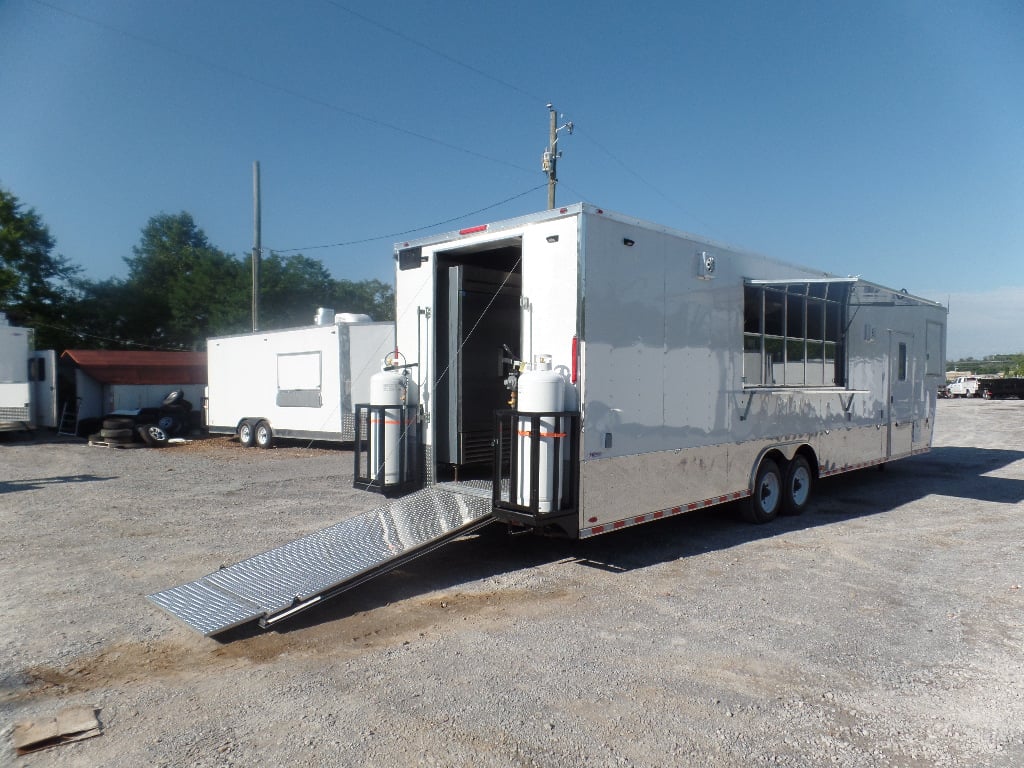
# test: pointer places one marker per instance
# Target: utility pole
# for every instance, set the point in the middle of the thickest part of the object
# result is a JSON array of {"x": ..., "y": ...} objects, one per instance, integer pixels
[
  {"x": 549, "y": 161},
  {"x": 256, "y": 245}
]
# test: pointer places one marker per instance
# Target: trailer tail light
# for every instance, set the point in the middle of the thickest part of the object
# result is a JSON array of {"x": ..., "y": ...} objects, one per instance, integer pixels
[
  {"x": 575, "y": 359},
  {"x": 471, "y": 230}
]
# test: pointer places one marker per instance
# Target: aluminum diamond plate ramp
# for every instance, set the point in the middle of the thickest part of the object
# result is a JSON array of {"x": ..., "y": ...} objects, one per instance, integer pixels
[{"x": 280, "y": 583}]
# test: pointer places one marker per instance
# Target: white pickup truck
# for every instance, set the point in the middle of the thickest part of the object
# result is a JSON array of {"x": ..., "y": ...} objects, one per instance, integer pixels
[{"x": 964, "y": 386}]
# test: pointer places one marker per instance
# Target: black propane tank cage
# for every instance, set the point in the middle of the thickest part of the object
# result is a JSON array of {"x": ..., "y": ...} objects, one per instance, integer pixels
[
  {"x": 561, "y": 428},
  {"x": 371, "y": 430}
]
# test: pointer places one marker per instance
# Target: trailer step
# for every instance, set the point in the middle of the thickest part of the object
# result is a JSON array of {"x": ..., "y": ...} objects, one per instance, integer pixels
[{"x": 284, "y": 581}]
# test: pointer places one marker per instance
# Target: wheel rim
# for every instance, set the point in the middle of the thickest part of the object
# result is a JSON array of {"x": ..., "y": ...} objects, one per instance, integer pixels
[
  {"x": 768, "y": 493},
  {"x": 157, "y": 434},
  {"x": 245, "y": 433},
  {"x": 262, "y": 435},
  {"x": 800, "y": 486}
]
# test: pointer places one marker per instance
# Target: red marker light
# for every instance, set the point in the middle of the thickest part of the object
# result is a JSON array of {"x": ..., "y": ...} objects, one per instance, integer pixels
[
  {"x": 575, "y": 359},
  {"x": 471, "y": 230}
]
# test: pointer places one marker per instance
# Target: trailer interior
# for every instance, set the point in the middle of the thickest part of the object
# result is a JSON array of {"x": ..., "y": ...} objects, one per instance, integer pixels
[{"x": 477, "y": 327}]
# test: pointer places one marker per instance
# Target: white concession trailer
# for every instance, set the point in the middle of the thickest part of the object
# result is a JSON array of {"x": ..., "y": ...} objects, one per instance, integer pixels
[
  {"x": 578, "y": 371},
  {"x": 28, "y": 380},
  {"x": 694, "y": 373},
  {"x": 294, "y": 383}
]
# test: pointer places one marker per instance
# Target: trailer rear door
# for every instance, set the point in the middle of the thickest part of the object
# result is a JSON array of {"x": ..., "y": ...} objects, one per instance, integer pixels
[{"x": 43, "y": 375}]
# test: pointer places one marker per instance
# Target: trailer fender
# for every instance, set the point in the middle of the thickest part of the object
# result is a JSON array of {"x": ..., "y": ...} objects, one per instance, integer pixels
[{"x": 796, "y": 465}]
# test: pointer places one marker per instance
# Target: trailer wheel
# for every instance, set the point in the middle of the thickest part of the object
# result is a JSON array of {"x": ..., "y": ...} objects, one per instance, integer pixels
[
  {"x": 264, "y": 435},
  {"x": 246, "y": 434},
  {"x": 797, "y": 487},
  {"x": 764, "y": 503}
]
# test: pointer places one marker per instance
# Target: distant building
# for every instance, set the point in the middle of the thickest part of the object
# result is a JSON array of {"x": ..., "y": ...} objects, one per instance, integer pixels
[{"x": 105, "y": 381}]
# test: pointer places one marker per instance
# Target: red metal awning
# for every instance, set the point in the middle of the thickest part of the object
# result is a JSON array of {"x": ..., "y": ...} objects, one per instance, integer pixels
[{"x": 138, "y": 367}]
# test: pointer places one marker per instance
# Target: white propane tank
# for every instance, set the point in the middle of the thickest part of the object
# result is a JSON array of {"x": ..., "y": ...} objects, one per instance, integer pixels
[
  {"x": 387, "y": 388},
  {"x": 541, "y": 390}
]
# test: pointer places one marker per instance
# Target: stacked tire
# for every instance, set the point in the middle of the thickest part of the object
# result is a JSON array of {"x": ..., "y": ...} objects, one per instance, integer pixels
[{"x": 116, "y": 431}]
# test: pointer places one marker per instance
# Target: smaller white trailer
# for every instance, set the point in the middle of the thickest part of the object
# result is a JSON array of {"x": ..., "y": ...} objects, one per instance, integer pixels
[
  {"x": 28, "y": 390},
  {"x": 295, "y": 383}
]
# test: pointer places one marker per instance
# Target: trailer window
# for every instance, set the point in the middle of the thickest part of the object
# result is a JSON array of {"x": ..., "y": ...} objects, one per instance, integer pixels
[
  {"x": 299, "y": 380},
  {"x": 903, "y": 361},
  {"x": 792, "y": 334}
]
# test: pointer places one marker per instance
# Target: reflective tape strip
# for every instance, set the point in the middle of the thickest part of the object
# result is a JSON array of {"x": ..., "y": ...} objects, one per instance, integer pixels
[
  {"x": 668, "y": 512},
  {"x": 526, "y": 433}
]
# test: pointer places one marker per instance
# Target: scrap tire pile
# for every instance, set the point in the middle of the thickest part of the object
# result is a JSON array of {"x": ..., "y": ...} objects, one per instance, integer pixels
[
  {"x": 116, "y": 431},
  {"x": 152, "y": 426}
]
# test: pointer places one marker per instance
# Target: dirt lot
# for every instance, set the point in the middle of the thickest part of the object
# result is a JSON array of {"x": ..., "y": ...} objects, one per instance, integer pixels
[{"x": 884, "y": 627}]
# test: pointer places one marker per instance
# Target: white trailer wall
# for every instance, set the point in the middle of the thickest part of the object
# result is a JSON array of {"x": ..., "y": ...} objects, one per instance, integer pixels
[{"x": 304, "y": 382}]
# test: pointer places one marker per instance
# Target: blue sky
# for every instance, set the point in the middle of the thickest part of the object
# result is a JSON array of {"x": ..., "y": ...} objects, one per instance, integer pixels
[{"x": 881, "y": 139}]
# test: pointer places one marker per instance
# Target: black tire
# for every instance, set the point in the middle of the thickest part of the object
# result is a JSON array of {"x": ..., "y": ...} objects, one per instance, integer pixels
[
  {"x": 124, "y": 435},
  {"x": 766, "y": 500},
  {"x": 797, "y": 486},
  {"x": 169, "y": 423},
  {"x": 173, "y": 397},
  {"x": 263, "y": 435},
  {"x": 118, "y": 422},
  {"x": 246, "y": 434},
  {"x": 153, "y": 436}
]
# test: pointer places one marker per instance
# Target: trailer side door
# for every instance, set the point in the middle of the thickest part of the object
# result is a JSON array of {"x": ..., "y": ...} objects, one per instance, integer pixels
[{"x": 902, "y": 371}]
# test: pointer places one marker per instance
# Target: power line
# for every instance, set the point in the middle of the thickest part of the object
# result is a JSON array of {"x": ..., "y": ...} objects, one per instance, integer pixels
[
  {"x": 435, "y": 51},
  {"x": 280, "y": 88},
  {"x": 411, "y": 231}
]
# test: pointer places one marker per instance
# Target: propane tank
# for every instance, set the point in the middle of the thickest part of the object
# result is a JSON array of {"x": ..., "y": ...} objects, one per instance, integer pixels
[
  {"x": 541, "y": 390},
  {"x": 387, "y": 388}
]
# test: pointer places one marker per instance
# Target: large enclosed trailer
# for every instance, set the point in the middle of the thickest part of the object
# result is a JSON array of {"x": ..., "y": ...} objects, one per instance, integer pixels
[
  {"x": 694, "y": 373},
  {"x": 576, "y": 371},
  {"x": 28, "y": 381},
  {"x": 294, "y": 383}
]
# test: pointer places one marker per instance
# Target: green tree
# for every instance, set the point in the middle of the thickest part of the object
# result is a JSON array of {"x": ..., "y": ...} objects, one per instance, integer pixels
[
  {"x": 291, "y": 288},
  {"x": 371, "y": 297},
  {"x": 181, "y": 289},
  {"x": 36, "y": 285}
]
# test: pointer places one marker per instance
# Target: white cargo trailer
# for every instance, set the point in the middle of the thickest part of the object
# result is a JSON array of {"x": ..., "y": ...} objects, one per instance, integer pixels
[
  {"x": 694, "y": 373},
  {"x": 576, "y": 371},
  {"x": 294, "y": 383},
  {"x": 28, "y": 383}
]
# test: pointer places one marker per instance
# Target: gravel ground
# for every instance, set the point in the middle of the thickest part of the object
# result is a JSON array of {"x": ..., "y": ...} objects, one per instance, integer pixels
[{"x": 883, "y": 627}]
